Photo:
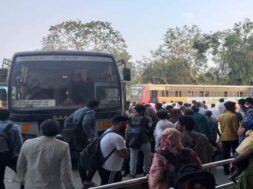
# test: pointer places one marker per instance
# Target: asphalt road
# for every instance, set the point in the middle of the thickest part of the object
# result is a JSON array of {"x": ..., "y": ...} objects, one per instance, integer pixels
[{"x": 11, "y": 181}]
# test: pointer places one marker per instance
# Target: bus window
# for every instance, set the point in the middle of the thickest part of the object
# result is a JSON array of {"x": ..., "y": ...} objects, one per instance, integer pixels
[
  {"x": 178, "y": 93},
  {"x": 163, "y": 93},
  {"x": 225, "y": 93},
  {"x": 69, "y": 83},
  {"x": 206, "y": 93},
  {"x": 154, "y": 95},
  {"x": 241, "y": 94},
  {"x": 190, "y": 93},
  {"x": 201, "y": 93},
  {"x": 167, "y": 93}
]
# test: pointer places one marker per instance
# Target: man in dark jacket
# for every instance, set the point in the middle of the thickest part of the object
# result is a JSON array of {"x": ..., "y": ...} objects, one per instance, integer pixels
[
  {"x": 8, "y": 154},
  {"x": 139, "y": 120},
  {"x": 85, "y": 116},
  {"x": 194, "y": 140}
]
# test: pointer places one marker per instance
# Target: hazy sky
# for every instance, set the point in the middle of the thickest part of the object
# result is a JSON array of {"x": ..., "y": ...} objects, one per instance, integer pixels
[{"x": 23, "y": 23}]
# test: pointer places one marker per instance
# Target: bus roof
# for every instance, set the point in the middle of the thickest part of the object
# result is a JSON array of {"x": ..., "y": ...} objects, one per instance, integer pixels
[
  {"x": 195, "y": 86},
  {"x": 66, "y": 52}
]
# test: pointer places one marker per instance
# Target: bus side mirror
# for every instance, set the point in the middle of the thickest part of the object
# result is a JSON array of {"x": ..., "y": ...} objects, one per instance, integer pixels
[
  {"x": 126, "y": 74},
  {"x": 3, "y": 75}
]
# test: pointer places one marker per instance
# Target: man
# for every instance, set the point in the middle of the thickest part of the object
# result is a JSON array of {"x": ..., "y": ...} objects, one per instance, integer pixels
[
  {"x": 140, "y": 140},
  {"x": 81, "y": 89},
  {"x": 36, "y": 92},
  {"x": 201, "y": 124},
  {"x": 8, "y": 153},
  {"x": 213, "y": 124},
  {"x": 215, "y": 113},
  {"x": 85, "y": 118},
  {"x": 247, "y": 122},
  {"x": 221, "y": 107},
  {"x": 44, "y": 162},
  {"x": 243, "y": 109},
  {"x": 194, "y": 140},
  {"x": 158, "y": 106},
  {"x": 229, "y": 124},
  {"x": 113, "y": 141}
]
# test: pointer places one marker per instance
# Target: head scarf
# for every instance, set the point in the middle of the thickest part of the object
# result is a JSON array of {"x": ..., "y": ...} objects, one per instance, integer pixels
[{"x": 171, "y": 141}]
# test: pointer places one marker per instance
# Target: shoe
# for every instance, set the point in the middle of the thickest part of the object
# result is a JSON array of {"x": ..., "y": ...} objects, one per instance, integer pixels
[{"x": 132, "y": 176}]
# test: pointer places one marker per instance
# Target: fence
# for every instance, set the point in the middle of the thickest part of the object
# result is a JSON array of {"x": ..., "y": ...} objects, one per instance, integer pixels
[{"x": 142, "y": 181}]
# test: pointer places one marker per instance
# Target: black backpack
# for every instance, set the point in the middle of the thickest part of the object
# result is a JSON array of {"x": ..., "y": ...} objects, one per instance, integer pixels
[
  {"x": 187, "y": 175},
  {"x": 74, "y": 135},
  {"x": 5, "y": 139},
  {"x": 91, "y": 156}
]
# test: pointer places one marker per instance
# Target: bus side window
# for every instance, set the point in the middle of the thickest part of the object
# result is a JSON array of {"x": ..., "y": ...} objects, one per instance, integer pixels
[
  {"x": 201, "y": 93},
  {"x": 225, "y": 93},
  {"x": 167, "y": 93},
  {"x": 154, "y": 95},
  {"x": 163, "y": 93},
  {"x": 178, "y": 93},
  {"x": 206, "y": 93},
  {"x": 190, "y": 93}
]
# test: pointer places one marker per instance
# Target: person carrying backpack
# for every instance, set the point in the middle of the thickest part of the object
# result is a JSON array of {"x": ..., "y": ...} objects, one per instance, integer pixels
[
  {"x": 106, "y": 154},
  {"x": 163, "y": 170},
  {"x": 10, "y": 144},
  {"x": 79, "y": 130},
  {"x": 139, "y": 135}
]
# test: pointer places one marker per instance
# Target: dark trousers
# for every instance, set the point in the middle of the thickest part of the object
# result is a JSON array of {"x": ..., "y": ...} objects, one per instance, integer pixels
[
  {"x": 86, "y": 176},
  {"x": 108, "y": 177},
  {"x": 227, "y": 147},
  {"x": 6, "y": 161}
]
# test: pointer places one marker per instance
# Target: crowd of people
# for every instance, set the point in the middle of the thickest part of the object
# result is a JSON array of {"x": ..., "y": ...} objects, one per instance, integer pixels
[
  {"x": 215, "y": 133},
  {"x": 134, "y": 145}
]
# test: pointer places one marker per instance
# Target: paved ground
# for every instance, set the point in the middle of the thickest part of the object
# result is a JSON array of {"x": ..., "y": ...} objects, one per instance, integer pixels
[{"x": 11, "y": 183}]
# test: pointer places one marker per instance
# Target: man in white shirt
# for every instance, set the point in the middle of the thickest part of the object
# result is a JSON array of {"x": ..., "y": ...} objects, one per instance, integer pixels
[
  {"x": 114, "y": 142},
  {"x": 221, "y": 107},
  {"x": 215, "y": 112},
  {"x": 161, "y": 125},
  {"x": 44, "y": 162}
]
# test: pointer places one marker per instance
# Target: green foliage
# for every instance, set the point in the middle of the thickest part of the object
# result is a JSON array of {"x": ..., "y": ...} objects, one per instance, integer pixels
[
  {"x": 92, "y": 36},
  {"x": 188, "y": 56},
  {"x": 177, "y": 60}
]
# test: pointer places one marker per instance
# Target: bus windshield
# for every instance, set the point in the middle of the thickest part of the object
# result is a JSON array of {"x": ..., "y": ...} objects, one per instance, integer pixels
[{"x": 63, "y": 81}]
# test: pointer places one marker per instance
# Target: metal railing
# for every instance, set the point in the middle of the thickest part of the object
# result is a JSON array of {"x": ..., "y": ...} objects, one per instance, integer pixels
[{"x": 138, "y": 181}]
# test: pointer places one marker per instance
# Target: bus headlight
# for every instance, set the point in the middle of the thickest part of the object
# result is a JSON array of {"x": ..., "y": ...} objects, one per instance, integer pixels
[{"x": 25, "y": 128}]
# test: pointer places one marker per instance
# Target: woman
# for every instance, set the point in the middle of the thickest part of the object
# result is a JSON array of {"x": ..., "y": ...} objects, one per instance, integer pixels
[{"x": 161, "y": 171}]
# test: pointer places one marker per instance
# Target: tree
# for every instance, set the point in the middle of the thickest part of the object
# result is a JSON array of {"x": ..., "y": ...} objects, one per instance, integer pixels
[
  {"x": 233, "y": 54},
  {"x": 178, "y": 59},
  {"x": 92, "y": 36}
]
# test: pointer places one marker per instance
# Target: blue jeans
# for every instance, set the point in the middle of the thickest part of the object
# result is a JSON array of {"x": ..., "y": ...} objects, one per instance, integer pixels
[{"x": 146, "y": 150}]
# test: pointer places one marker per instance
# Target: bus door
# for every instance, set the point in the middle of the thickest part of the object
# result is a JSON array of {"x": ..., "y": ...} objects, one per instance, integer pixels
[{"x": 153, "y": 96}]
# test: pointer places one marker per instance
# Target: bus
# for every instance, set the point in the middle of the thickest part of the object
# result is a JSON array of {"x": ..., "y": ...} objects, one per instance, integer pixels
[
  {"x": 53, "y": 84},
  {"x": 153, "y": 93}
]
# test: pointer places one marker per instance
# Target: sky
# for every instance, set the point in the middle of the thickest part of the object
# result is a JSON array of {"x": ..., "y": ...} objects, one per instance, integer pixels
[{"x": 142, "y": 23}]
